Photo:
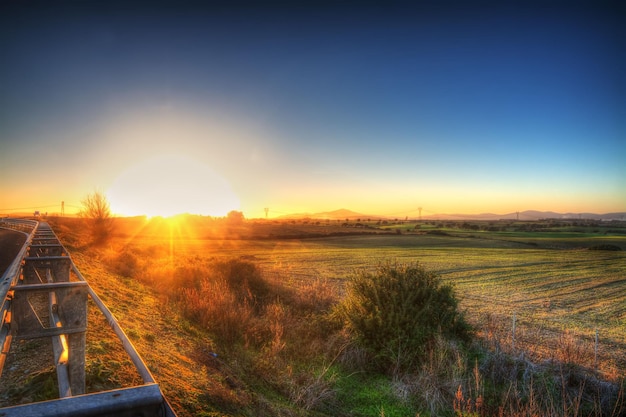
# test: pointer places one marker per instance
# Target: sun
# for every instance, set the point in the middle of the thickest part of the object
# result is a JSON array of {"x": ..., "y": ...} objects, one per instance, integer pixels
[{"x": 167, "y": 185}]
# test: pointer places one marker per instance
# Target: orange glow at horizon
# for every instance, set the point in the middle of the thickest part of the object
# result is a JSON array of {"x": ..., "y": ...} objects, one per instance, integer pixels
[
  {"x": 400, "y": 200},
  {"x": 169, "y": 185}
]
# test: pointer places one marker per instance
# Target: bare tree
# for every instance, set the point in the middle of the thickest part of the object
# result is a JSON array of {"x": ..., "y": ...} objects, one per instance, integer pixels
[{"x": 96, "y": 210}]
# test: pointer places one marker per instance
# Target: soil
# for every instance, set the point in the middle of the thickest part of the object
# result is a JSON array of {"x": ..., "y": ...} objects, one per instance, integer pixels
[{"x": 10, "y": 244}]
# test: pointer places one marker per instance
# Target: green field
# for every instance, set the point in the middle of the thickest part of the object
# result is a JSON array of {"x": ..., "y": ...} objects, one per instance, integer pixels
[
  {"x": 547, "y": 280},
  {"x": 559, "y": 292}
]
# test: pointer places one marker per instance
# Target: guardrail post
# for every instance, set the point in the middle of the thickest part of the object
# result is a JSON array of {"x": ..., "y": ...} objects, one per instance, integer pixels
[
  {"x": 61, "y": 270},
  {"x": 24, "y": 318},
  {"x": 29, "y": 274},
  {"x": 72, "y": 309}
]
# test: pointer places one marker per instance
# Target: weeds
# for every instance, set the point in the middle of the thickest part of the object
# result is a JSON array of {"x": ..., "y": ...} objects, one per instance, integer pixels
[
  {"x": 270, "y": 328},
  {"x": 275, "y": 339},
  {"x": 315, "y": 390},
  {"x": 548, "y": 389}
]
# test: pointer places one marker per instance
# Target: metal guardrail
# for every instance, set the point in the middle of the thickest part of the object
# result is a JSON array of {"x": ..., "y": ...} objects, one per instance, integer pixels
[
  {"x": 9, "y": 278},
  {"x": 43, "y": 266},
  {"x": 23, "y": 225}
]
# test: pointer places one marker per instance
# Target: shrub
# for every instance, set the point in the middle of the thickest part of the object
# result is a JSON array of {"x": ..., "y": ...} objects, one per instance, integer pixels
[
  {"x": 124, "y": 263},
  {"x": 215, "y": 307},
  {"x": 245, "y": 281},
  {"x": 223, "y": 295},
  {"x": 437, "y": 233},
  {"x": 398, "y": 311}
]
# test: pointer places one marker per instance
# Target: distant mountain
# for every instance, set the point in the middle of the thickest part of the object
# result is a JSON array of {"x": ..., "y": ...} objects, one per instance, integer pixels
[
  {"x": 527, "y": 215},
  {"x": 460, "y": 216}
]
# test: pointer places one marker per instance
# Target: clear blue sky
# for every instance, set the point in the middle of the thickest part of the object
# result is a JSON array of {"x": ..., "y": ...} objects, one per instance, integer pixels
[{"x": 380, "y": 108}]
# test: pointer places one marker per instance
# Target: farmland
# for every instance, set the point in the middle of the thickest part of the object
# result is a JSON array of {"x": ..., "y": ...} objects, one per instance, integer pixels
[
  {"x": 549, "y": 290},
  {"x": 546, "y": 277},
  {"x": 557, "y": 291}
]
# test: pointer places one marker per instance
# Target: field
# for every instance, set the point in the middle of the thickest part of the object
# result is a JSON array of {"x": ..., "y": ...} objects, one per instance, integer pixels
[
  {"x": 550, "y": 291},
  {"x": 545, "y": 278},
  {"x": 540, "y": 295}
]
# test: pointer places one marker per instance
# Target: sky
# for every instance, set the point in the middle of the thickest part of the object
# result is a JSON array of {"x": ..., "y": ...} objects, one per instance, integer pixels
[{"x": 380, "y": 108}]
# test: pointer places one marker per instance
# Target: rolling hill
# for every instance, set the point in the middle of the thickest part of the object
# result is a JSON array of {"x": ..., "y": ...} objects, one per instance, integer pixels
[{"x": 527, "y": 215}]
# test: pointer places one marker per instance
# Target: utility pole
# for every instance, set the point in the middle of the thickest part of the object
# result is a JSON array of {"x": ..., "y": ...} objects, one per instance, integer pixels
[
  {"x": 267, "y": 210},
  {"x": 420, "y": 210},
  {"x": 62, "y": 208}
]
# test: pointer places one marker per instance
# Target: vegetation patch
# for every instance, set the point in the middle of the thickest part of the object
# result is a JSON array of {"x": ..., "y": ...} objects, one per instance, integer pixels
[
  {"x": 371, "y": 395},
  {"x": 606, "y": 246},
  {"x": 288, "y": 351},
  {"x": 397, "y": 312}
]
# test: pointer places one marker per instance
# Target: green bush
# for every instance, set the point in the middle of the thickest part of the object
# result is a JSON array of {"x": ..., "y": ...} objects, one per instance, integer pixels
[{"x": 397, "y": 312}]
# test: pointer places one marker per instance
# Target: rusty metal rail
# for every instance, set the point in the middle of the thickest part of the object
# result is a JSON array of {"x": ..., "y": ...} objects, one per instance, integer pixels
[{"x": 43, "y": 269}]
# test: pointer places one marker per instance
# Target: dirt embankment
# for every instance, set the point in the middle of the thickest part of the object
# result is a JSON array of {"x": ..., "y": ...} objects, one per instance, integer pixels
[{"x": 10, "y": 244}]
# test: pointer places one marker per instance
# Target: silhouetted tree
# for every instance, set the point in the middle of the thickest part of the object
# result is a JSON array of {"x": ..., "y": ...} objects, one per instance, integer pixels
[{"x": 97, "y": 212}]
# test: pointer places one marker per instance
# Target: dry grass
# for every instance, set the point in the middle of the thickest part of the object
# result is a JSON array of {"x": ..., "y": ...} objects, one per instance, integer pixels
[
  {"x": 223, "y": 346},
  {"x": 259, "y": 322},
  {"x": 435, "y": 384},
  {"x": 169, "y": 346}
]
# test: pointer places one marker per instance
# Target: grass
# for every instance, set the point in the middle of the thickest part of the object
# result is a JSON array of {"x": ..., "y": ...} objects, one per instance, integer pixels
[
  {"x": 364, "y": 395},
  {"x": 285, "y": 358},
  {"x": 550, "y": 291}
]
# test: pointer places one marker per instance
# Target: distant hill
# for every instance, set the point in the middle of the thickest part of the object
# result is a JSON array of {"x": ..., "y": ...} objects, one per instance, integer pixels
[
  {"x": 528, "y": 215},
  {"x": 343, "y": 214}
]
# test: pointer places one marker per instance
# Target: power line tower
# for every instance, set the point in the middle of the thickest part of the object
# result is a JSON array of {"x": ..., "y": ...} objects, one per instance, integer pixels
[
  {"x": 420, "y": 210},
  {"x": 62, "y": 208},
  {"x": 267, "y": 210}
]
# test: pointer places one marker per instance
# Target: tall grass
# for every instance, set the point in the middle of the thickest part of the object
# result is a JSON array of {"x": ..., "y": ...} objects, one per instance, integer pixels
[
  {"x": 276, "y": 334},
  {"x": 515, "y": 385}
]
